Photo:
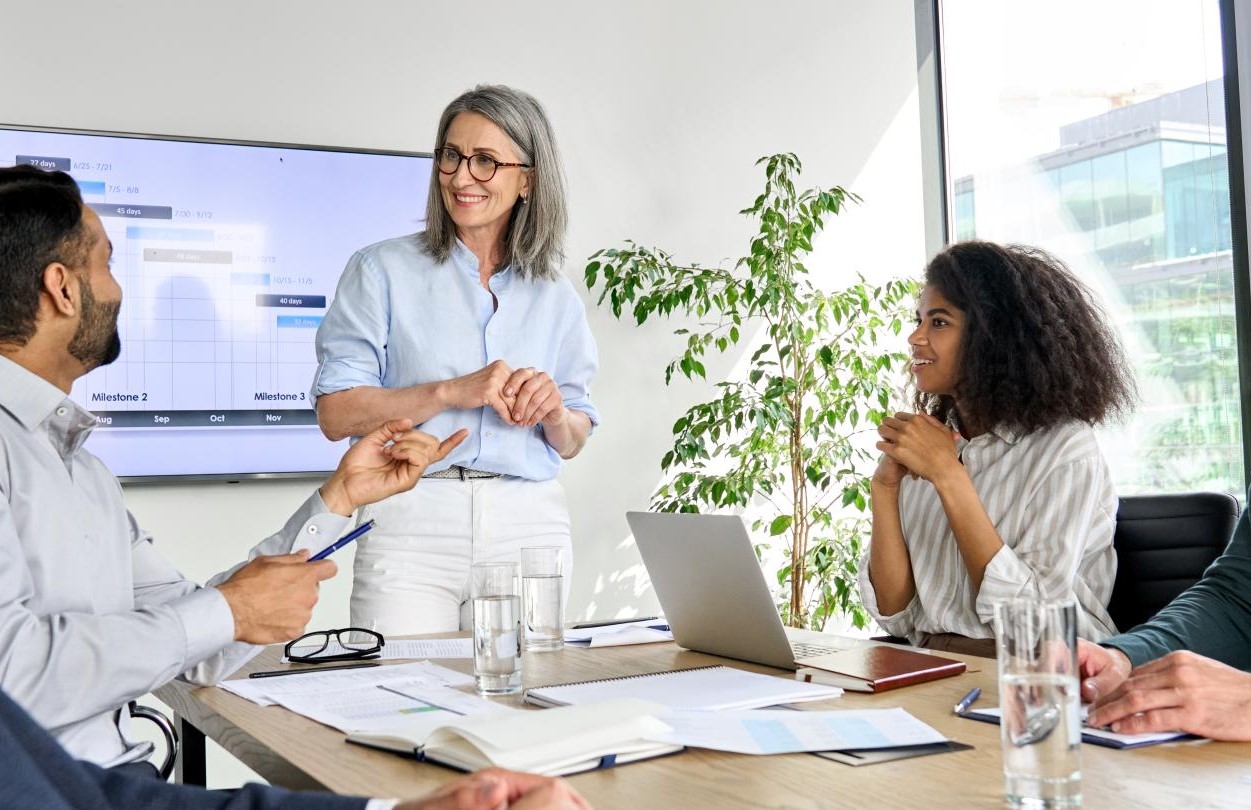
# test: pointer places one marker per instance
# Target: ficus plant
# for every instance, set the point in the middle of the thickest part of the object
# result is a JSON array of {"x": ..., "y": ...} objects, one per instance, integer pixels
[{"x": 783, "y": 438}]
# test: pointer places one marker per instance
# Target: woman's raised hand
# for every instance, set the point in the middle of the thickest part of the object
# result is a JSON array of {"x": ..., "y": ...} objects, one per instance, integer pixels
[
  {"x": 484, "y": 388},
  {"x": 889, "y": 472},
  {"x": 919, "y": 443}
]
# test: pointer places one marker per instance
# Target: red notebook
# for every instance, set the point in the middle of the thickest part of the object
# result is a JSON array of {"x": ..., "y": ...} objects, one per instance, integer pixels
[{"x": 876, "y": 668}]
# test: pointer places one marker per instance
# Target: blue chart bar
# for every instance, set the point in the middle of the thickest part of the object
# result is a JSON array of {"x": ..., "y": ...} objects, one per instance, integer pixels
[
  {"x": 170, "y": 234},
  {"x": 299, "y": 321},
  {"x": 291, "y": 300},
  {"x": 91, "y": 186},
  {"x": 250, "y": 279}
]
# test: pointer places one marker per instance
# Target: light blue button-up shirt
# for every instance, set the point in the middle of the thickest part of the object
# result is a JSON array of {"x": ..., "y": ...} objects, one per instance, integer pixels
[
  {"x": 91, "y": 616},
  {"x": 400, "y": 319}
]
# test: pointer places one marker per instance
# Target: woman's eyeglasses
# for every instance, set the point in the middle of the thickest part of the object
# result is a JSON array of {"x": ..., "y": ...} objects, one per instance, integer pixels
[
  {"x": 348, "y": 644},
  {"x": 481, "y": 167}
]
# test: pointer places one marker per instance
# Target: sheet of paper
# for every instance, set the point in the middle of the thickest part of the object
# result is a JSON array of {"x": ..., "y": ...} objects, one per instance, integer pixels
[
  {"x": 452, "y": 700},
  {"x": 266, "y": 691},
  {"x": 781, "y": 731},
  {"x": 368, "y": 708},
  {"x": 412, "y": 648},
  {"x": 615, "y": 635}
]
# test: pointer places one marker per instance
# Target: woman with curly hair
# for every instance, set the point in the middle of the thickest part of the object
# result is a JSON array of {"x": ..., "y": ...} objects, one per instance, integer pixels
[{"x": 995, "y": 487}]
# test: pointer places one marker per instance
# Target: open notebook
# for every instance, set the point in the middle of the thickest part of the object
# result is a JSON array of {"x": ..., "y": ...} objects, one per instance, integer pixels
[
  {"x": 702, "y": 688},
  {"x": 555, "y": 742}
]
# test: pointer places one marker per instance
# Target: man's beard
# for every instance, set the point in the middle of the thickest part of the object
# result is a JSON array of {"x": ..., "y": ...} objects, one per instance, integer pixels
[{"x": 96, "y": 341}]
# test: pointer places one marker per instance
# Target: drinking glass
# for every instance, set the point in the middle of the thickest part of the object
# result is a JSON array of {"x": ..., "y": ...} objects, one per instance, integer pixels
[
  {"x": 542, "y": 598},
  {"x": 496, "y": 628},
  {"x": 1040, "y": 730}
]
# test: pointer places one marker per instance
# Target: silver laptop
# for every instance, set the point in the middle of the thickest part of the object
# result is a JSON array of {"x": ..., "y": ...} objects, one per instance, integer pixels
[{"x": 711, "y": 588}]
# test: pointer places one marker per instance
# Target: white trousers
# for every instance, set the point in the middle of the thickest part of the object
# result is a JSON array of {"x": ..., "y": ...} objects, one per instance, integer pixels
[{"x": 412, "y": 570}]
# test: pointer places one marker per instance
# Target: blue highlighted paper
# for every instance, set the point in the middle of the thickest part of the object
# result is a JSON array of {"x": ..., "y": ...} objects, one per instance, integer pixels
[
  {"x": 772, "y": 736},
  {"x": 250, "y": 279},
  {"x": 169, "y": 234},
  {"x": 299, "y": 321}
]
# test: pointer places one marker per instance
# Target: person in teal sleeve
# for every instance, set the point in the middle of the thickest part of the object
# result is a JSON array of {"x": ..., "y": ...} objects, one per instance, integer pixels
[{"x": 1189, "y": 667}]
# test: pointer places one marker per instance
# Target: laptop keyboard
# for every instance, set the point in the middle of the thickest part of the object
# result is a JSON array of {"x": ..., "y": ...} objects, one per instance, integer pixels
[{"x": 803, "y": 650}]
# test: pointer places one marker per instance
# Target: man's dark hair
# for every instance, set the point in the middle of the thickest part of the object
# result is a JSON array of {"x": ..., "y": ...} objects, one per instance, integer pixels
[
  {"x": 41, "y": 222},
  {"x": 1036, "y": 350}
]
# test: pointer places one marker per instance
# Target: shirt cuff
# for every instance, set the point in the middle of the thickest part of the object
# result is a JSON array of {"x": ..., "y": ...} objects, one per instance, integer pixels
[
  {"x": 897, "y": 624},
  {"x": 1005, "y": 577},
  {"x": 321, "y": 528},
  {"x": 207, "y": 624},
  {"x": 584, "y": 406},
  {"x": 312, "y": 527},
  {"x": 1137, "y": 652},
  {"x": 381, "y": 804}
]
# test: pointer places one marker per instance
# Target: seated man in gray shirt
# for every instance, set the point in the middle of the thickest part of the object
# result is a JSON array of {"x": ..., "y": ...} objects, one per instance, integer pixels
[
  {"x": 1189, "y": 668},
  {"x": 90, "y": 615}
]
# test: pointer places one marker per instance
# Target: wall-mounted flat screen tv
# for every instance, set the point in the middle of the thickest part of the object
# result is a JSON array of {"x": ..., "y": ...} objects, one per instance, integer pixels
[{"x": 228, "y": 254}]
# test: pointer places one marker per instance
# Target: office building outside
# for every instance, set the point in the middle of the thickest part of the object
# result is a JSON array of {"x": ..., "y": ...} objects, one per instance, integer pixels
[{"x": 1141, "y": 194}]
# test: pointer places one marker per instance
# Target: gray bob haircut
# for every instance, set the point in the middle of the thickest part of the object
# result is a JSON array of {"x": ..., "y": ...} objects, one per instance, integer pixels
[{"x": 535, "y": 239}]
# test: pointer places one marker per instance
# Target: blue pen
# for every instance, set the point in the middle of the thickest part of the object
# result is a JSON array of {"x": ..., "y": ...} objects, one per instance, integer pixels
[
  {"x": 342, "y": 541},
  {"x": 967, "y": 701}
]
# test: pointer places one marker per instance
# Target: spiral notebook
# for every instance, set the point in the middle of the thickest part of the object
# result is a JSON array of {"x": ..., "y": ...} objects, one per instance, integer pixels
[{"x": 703, "y": 688}]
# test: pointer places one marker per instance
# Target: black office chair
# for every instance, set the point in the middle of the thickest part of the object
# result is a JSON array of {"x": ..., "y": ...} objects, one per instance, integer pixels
[
  {"x": 167, "y": 731},
  {"x": 1163, "y": 545}
]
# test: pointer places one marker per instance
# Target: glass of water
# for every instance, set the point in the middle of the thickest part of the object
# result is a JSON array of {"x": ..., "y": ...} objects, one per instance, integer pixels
[
  {"x": 496, "y": 628},
  {"x": 1040, "y": 731},
  {"x": 542, "y": 602}
]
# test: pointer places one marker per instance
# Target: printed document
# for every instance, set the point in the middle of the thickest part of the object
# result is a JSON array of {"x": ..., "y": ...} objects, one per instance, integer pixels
[
  {"x": 268, "y": 691},
  {"x": 783, "y": 731}
]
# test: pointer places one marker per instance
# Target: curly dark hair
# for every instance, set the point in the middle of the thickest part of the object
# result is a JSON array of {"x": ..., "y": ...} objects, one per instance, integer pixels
[{"x": 1035, "y": 351}]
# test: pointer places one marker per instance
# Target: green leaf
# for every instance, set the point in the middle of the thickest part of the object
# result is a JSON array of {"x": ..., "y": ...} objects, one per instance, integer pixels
[{"x": 780, "y": 524}]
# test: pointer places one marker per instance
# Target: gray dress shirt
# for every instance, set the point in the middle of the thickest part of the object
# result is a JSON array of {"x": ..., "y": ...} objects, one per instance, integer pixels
[{"x": 91, "y": 616}]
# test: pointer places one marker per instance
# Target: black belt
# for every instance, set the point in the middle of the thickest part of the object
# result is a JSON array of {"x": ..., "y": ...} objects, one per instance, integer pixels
[{"x": 463, "y": 473}]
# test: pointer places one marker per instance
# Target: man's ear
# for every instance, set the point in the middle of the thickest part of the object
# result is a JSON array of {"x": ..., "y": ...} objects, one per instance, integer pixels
[{"x": 59, "y": 283}]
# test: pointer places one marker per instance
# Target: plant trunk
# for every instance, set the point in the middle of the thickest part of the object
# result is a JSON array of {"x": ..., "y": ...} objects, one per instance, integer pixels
[{"x": 799, "y": 521}]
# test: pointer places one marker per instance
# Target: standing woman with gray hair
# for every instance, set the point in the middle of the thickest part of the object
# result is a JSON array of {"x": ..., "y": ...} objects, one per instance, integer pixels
[{"x": 469, "y": 324}]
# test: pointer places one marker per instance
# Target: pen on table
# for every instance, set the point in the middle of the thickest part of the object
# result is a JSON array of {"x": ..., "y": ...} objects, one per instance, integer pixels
[
  {"x": 276, "y": 672},
  {"x": 589, "y": 625},
  {"x": 342, "y": 541},
  {"x": 967, "y": 701}
]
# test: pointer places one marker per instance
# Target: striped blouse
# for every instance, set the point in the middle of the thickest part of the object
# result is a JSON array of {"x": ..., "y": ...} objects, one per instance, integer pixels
[{"x": 1049, "y": 495}]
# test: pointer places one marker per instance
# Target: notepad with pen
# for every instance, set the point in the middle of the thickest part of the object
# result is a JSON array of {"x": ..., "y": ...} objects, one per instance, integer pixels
[
  {"x": 1095, "y": 736},
  {"x": 553, "y": 743},
  {"x": 702, "y": 688}
]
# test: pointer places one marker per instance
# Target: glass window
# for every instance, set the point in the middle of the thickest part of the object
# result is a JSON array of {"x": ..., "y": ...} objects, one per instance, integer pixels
[{"x": 1105, "y": 143}]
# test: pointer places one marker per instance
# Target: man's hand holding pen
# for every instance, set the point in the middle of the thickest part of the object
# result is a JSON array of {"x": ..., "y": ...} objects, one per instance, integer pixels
[{"x": 272, "y": 597}]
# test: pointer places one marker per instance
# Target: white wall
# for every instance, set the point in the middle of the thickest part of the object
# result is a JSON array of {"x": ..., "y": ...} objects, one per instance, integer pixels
[{"x": 661, "y": 109}]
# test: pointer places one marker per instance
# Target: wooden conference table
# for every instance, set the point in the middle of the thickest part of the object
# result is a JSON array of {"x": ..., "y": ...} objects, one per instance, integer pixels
[{"x": 295, "y": 752}]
